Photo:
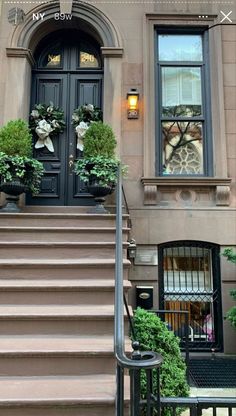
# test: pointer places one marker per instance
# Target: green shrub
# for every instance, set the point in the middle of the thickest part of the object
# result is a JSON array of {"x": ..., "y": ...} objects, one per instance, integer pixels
[
  {"x": 153, "y": 335},
  {"x": 231, "y": 314},
  {"x": 15, "y": 139},
  {"x": 99, "y": 140}
]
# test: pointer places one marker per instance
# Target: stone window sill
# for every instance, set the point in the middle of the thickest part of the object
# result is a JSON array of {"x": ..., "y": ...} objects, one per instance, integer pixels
[{"x": 186, "y": 189}]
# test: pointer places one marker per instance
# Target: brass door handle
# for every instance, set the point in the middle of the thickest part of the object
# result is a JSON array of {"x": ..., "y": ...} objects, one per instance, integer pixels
[{"x": 71, "y": 162}]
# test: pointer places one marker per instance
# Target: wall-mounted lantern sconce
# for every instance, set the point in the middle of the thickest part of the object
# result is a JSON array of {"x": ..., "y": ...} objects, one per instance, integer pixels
[
  {"x": 131, "y": 250},
  {"x": 132, "y": 98}
]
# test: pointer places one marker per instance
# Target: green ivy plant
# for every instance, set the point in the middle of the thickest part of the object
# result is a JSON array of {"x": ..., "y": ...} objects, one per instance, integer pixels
[
  {"x": 231, "y": 314},
  {"x": 153, "y": 335},
  {"x": 99, "y": 169},
  {"x": 28, "y": 170}
]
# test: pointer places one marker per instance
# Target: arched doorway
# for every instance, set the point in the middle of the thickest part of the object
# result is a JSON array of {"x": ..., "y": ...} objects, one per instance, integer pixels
[{"x": 69, "y": 73}]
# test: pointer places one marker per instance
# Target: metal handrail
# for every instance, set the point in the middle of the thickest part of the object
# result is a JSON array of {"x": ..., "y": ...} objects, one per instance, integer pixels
[
  {"x": 126, "y": 207},
  {"x": 140, "y": 360}
]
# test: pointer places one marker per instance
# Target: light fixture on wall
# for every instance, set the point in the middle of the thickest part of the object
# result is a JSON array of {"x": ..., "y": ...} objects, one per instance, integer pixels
[{"x": 132, "y": 98}]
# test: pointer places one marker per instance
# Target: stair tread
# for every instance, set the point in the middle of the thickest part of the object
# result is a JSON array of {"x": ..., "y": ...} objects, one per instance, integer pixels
[
  {"x": 57, "y": 284},
  {"x": 56, "y": 311},
  {"x": 59, "y": 215},
  {"x": 48, "y": 390},
  {"x": 58, "y": 262},
  {"x": 56, "y": 228},
  {"x": 58, "y": 344},
  {"x": 102, "y": 244}
]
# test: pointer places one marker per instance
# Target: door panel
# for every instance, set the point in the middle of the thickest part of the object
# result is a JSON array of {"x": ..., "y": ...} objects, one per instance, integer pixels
[
  {"x": 46, "y": 88},
  {"x": 84, "y": 89},
  {"x": 60, "y": 186}
]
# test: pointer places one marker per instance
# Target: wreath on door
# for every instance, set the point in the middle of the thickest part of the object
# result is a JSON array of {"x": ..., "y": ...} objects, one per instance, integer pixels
[{"x": 46, "y": 121}]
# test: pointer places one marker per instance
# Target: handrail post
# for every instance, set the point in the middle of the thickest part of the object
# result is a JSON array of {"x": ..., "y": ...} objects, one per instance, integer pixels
[{"x": 120, "y": 390}]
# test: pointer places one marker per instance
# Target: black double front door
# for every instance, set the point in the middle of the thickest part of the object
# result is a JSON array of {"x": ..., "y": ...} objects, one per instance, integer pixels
[{"x": 68, "y": 90}]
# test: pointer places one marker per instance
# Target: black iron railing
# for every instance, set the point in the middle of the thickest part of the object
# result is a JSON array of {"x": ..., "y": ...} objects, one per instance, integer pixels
[
  {"x": 197, "y": 406},
  {"x": 148, "y": 361}
]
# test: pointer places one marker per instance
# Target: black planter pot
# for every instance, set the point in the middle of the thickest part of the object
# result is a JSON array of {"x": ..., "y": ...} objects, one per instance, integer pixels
[
  {"x": 99, "y": 192},
  {"x": 13, "y": 190}
]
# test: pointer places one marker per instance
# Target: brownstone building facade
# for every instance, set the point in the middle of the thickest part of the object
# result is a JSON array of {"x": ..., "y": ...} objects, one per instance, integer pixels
[{"x": 181, "y": 151}]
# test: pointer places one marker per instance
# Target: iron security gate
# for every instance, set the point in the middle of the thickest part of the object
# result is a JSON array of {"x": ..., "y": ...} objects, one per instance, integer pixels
[{"x": 189, "y": 279}]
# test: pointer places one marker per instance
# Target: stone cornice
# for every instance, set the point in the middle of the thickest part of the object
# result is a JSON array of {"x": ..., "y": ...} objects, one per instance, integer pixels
[
  {"x": 186, "y": 181},
  {"x": 20, "y": 53},
  {"x": 112, "y": 52}
]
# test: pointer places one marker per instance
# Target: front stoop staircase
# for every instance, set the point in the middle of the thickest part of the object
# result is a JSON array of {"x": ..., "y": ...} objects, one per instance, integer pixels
[{"x": 57, "y": 313}]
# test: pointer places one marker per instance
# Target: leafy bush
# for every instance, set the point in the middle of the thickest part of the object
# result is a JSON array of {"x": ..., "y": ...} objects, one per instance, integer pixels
[
  {"x": 15, "y": 139},
  {"x": 231, "y": 314},
  {"x": 230, "y": 255},
  {"x": 153, "y": 335},
  {"x": 99, "y": 140}
]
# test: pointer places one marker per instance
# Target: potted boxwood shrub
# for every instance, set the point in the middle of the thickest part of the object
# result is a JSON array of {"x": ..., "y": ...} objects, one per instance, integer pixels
[
  {"x": 98, "y": 168},
  {"x": 19, "y": 172}
]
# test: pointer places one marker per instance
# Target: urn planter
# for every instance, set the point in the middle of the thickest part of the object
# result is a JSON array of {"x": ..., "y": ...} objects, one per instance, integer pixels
[{"x": 13, "y": 190}]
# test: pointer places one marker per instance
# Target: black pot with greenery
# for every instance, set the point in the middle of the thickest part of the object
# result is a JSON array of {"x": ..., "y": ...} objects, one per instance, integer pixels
[
  {"x": 19, "y": 172},
  {"x": 98, "y": 168}
]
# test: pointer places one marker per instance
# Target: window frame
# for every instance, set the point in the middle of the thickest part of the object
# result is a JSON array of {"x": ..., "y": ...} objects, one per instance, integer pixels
[{"x": 205, "y": 118}]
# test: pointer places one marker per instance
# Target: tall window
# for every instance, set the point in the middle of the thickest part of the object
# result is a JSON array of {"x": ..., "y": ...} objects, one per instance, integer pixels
[{"x": 183, "y": 122}]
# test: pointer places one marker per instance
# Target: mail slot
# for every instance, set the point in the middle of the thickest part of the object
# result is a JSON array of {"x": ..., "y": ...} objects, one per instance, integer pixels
[{"x": 144, "y": 297}]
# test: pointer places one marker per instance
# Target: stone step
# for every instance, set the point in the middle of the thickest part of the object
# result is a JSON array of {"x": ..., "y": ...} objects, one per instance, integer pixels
[
  {"x": 58, "y": 291},
  {"x": 56, "y": 250},
  {"x": 59, "y": 220},
  {"x": 59, "y": 269},
  {"x": 59, "y": 396},
  {"x": 59, "y": 234},
  {"x": 57, "y": 355},
  {"x": 57, "y": 319}
]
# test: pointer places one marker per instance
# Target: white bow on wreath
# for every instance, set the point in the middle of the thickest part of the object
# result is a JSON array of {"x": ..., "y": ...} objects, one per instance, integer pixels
[
  {"x": 80, "y": 131},
  {"x": 43, "y": 131}
]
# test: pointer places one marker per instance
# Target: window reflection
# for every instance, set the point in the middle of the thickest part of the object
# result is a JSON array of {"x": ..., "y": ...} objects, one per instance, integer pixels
[
  {"x": 182, "y": 148},
  {"x": 181, "y": 92},
  {"x": 180, "y": 48}
]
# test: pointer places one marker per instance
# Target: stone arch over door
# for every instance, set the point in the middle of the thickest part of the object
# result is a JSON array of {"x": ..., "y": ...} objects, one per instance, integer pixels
[
  {"x": 27, "y": 35},
  {"x": 25, "y": 39}
]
